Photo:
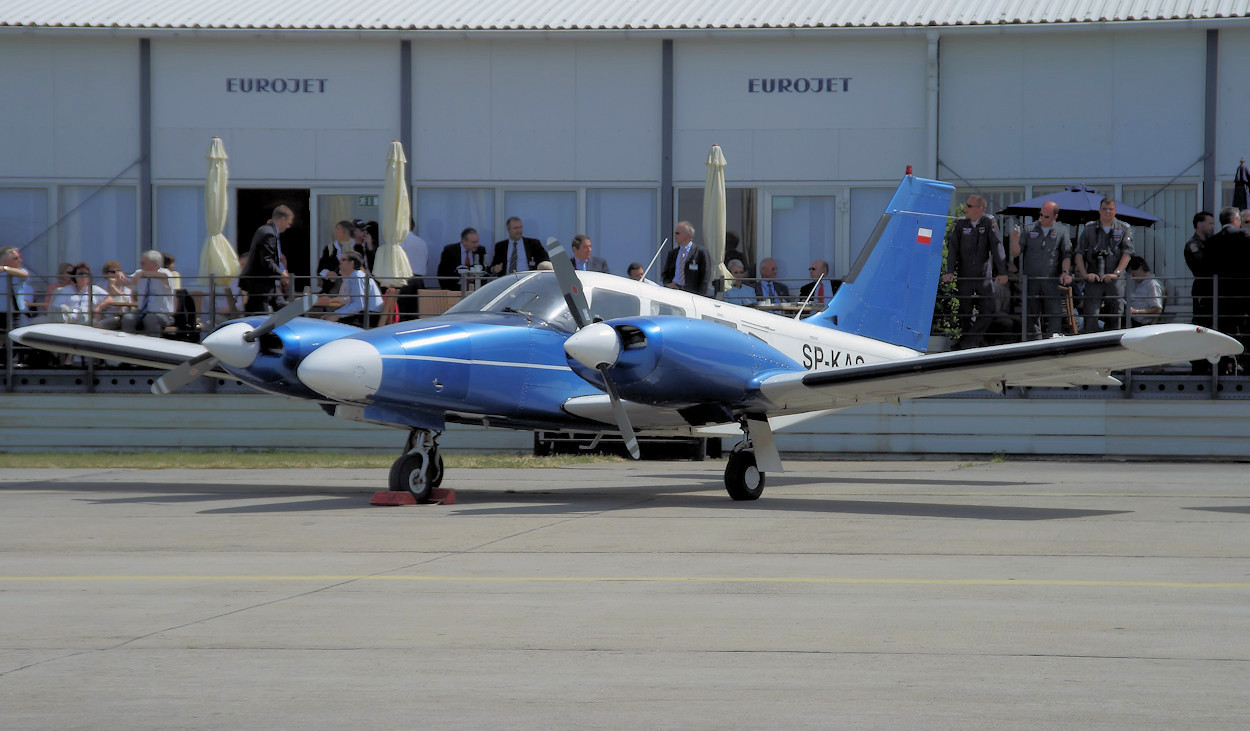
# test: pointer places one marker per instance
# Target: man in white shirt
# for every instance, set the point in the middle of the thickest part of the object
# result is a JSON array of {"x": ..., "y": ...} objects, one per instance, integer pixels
[
  {"x": 155, "y": 298},
  {"x": 14, "y": 289},
  {"x": 417, "y": 251},
  {"x": 351, "y": 297}
]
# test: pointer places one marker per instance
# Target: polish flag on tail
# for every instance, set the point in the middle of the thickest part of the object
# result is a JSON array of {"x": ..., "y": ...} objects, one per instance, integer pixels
[{"x": 924, "y": 236}]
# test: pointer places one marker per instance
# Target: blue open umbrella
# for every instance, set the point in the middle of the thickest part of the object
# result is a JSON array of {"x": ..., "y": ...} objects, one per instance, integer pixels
[{"x": 1078, "y": 204}]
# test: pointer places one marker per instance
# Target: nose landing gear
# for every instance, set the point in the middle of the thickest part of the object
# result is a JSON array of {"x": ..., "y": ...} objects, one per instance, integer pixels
[{"x": 420, "y": 468}]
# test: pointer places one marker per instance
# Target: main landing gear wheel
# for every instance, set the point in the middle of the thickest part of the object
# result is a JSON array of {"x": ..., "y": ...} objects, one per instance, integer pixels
[{"x": 743, "y": 480}]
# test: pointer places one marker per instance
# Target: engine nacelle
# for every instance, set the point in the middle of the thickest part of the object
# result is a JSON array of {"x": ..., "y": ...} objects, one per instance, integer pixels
[
  {"x": 270, "y": 363},
  {"x": 679, "y": 361}
]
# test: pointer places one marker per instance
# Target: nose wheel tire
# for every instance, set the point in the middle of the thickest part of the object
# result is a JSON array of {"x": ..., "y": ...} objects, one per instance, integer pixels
[
  {"x": 417, "y": 473},
  {"x": 743, "y": 479}
]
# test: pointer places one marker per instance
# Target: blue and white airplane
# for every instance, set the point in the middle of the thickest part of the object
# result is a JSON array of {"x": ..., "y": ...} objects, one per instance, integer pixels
[{"x": 591, "y": 352}]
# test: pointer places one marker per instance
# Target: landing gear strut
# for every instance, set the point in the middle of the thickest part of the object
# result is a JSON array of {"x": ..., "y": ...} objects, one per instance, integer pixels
[
  {"x": 751, "y": 458},
  {"x": 420, "y": 468}
]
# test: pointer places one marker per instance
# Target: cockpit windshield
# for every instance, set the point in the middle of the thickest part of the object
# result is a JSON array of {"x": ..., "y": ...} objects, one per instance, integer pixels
[{"x": 532, "y": 293}]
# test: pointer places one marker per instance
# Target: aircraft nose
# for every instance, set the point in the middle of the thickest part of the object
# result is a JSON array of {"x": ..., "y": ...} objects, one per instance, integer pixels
[
  {"x": 344, "y": 370},
  {"x": 594, "y": 345}
]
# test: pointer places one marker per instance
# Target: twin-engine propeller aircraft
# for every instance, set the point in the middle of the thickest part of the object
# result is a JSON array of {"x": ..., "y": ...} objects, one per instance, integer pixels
[{"x": 601, "y": 353}]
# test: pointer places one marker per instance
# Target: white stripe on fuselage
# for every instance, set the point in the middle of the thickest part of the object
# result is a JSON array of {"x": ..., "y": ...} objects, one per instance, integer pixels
[{"x": 470, "y": 361}]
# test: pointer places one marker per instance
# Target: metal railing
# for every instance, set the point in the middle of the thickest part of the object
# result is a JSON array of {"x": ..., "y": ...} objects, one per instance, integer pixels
[{"x": 1010, "y": 316}]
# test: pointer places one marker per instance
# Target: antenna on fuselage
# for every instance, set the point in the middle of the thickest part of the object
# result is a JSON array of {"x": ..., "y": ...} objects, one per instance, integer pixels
[{"x": 657, "y": 256}]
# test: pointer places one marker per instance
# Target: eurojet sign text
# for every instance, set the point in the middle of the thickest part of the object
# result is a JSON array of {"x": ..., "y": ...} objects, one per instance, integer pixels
[
  {"x": 279, "y": 85},
  {"x": 799, "y": 85}
]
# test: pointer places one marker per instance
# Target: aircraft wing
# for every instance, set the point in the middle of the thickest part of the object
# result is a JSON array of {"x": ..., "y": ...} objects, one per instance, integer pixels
[
  {"x": 94, "y": 342},
  {"x": 1065, "y": 361}
]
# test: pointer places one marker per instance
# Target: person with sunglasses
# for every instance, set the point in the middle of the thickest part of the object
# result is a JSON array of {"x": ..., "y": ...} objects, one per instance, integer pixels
[
  {"x": 77, "y": 302},
  {"x": 118, "y": 288}
]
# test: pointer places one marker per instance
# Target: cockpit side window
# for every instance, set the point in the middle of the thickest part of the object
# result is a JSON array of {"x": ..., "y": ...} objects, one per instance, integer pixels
[
  {"x": 608, "y": 304},
  {"x": 661, "y": 308}
]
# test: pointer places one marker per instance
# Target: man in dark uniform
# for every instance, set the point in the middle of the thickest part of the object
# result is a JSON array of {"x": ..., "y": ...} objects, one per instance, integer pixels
[
  {"x": 262, "y": 279},
  {"x": 1199, "y": 265},
  {"x": 517, "y": 253},
  {"x": 1046, "y": 266},
  {"x": 1102, "y": 253},
  {"x": 975, "y": 260}
]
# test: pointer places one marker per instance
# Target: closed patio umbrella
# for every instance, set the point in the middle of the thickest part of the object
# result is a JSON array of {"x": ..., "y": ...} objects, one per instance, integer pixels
[
  {"x": 391, "y": 267},
  {"x": 714, "y": 216},
  {"x": 218, "y": 257}
]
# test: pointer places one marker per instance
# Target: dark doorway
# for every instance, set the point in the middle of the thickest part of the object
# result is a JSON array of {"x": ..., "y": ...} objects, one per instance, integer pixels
[{"x": 254, "y": 206}]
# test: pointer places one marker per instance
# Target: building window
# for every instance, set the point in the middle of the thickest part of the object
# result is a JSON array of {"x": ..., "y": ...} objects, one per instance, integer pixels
[
  {"x": 442, "y": 213},
  {"x": 24, "y": 221},
  {"x": 98, "y": 224},
  {"x": 740, "y": 217},
  {"x": 621, "y": 224},
  {"x": 1163, "y": 244},
  {"x": 803, "y": 231},
  {"x": 180, "y": 229},
  {"x": 543, "y": 213}
]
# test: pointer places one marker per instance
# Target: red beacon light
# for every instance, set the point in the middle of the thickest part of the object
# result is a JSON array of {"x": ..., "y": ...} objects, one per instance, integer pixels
[{"x": 909, "y": 169}]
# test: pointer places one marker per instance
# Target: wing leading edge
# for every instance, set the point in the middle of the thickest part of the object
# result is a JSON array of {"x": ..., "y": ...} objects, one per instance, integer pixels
[{"x": 1073, "y": 360}]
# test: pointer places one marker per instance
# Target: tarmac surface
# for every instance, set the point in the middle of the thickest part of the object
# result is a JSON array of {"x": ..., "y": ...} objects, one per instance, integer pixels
[{"x": 852, "y": 594}]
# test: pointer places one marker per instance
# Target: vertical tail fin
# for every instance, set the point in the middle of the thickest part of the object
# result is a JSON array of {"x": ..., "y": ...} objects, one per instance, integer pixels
[{"x": 890, "y": 292}]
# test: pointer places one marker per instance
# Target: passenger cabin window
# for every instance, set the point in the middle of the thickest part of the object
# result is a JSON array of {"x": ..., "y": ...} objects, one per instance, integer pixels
[
  {"x": 608, "y": 304},
  {"x": 661, "y": 308}
]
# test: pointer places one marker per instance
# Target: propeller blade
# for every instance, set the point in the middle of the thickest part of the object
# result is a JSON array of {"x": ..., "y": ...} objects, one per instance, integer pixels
[
  {"x": 188, "y": 371},
  {"x": 622, "y": 416},
  {"x": 283, "y": 316},
  {"x": 204, "y": 362},
  {"x": 566, "y": 275}
]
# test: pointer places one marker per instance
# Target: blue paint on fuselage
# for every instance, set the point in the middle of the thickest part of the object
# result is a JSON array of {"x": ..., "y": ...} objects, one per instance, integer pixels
[{"x": 513, "y": 365}]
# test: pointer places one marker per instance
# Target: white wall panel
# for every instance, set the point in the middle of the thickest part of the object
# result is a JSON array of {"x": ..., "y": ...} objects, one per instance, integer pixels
[
  {"x": 71, "y": 107},
  {"x": 1232, "y": 129},
  {"x": 1072, "y": 107},
  {"x": 537, "y": 110},
  {"x": 326, "y": 130},
  {"x": 717, "y": 97}
]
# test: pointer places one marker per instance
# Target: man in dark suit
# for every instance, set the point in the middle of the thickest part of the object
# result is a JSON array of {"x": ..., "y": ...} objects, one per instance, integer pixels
[
  {"x": 517, "y": 253},
  {"x": 1228, "y": 251},
  {"x": 262, "y": 278},
  {"x": 818, "y": 270},
  {"x": 467, "y": 252},
  {"x": 767, "y": 288},
  {"x": 582, "y": 260},
  {"x": 687, "y": 265}
]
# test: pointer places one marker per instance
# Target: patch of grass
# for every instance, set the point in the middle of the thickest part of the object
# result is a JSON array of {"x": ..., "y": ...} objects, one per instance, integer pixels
[{"x": 274, "y": 460}]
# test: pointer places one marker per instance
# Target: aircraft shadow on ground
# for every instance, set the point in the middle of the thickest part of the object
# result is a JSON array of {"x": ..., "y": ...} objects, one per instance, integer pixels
[
  {"x": 1245, "y": 509},
  {"x": 692, "y": 491}
]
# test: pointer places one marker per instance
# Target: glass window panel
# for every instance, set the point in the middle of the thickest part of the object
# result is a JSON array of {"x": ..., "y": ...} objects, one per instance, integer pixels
[
  {"x": 621, "y": 224},
  {"x": 544, "y": 213},
  {"x": 1162, "y": 244},
  {"x": 739, "y": 220},
  {"x": 24, "y": 221},
  {"x": 867, "y": 205},
  {"x": 802, "y": 231},
  {"x": 181, "y": 231},
  {"x": 98, "y": 224},
  {"x": 442, "y": 213}
]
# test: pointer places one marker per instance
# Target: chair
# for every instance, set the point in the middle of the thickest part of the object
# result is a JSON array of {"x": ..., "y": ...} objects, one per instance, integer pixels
[{"x": 186, "y": 318}]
